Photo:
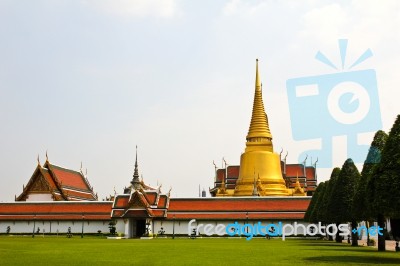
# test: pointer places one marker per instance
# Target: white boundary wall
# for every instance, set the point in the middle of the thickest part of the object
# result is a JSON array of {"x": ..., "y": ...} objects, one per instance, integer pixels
[
  {"x": 181, "y": 226},
  {"x": 59, "y": 226}
]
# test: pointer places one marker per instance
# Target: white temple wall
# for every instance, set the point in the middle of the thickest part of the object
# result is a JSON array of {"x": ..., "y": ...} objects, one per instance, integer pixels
[
  {"x": 39, "y": 197},
  {"x": 181, "y": 226},
  {"x": 59, "y": 226}
]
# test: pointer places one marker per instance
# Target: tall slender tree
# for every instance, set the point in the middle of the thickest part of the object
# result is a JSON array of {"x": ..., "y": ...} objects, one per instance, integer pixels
[
  {"x": 361, "y": 208},
  {"x": 309, "y": 216},
  {"x": 384, "y": 186},
  {"x": 317, "y": 208},
  {"x": 328, "y": 200},
  {"x": 343, "y": 194}
]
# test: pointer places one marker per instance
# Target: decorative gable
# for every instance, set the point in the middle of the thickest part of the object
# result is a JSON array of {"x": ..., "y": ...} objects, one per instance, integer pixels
[
  {"x": 40, "y": 184},
  {"x": 141, "y": 204},
  {"x": 61, "y": 183}
]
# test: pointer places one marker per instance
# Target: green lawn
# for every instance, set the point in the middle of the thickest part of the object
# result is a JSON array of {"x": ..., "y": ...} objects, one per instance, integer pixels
[{"x": 213, "y": 251}]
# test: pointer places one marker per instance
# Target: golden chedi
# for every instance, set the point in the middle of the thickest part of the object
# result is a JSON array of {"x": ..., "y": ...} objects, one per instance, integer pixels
[{"x": 260, "y": 168}]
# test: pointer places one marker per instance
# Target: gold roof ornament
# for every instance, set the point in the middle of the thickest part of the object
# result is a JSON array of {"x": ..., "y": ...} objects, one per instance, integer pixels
[{"x": 298, "y": 190}]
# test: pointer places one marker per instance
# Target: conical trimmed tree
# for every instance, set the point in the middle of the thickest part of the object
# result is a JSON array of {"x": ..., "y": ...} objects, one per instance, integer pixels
[
  {"x": 384, "y": 186},
  {"x": 311, "y": 212},
  {"x": 328, "y": 200},
  {"x": 343, "y": 194},
  {"x": 317, "y": 208},
  {"x": 362, "y": 198},
  {"x": 361, "y": 206}
]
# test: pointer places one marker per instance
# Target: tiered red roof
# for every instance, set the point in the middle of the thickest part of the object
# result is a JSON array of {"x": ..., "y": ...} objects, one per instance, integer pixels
[
  {"x": 61, "y": 183},
  {"x": 48, "y": 211},
  {"x": 233, "y": 208},
  {"x": 306, "y": 174},
  {"x": 290, "y": 172},
  {"x": 140, "y": 203}
]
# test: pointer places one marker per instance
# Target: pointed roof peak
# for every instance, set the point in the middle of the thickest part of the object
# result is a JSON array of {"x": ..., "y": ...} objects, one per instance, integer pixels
[
  {"x": 135, "y": 181},
  {"x": 258, "y": 81},
  {"x": 136, "y": 171},
  {"x": 136, "y": 158},
  {"x": 259, "y": 127}
]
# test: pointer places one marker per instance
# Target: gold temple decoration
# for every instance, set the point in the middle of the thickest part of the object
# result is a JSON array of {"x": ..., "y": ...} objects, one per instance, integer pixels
[
  {"x": 259, "y": 158},
  {"x": 298, "y": 190}
]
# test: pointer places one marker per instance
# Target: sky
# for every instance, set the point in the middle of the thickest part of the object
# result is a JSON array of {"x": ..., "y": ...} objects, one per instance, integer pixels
[{"x": 87, "y": 81}]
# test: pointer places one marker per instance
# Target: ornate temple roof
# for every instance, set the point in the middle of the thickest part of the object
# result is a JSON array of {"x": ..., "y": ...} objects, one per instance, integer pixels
[
  {"x": 62, "y": 183},
  {"x": 141, "y": 203},
  {"x": 140, "y": 200}
]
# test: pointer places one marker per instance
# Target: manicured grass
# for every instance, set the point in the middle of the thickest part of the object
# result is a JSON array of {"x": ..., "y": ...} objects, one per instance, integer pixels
[{"x": 212, "y": 251}]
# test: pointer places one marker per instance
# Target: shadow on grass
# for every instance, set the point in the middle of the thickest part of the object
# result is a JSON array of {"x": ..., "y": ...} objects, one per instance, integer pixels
[
  {"x": 354, "y": 259},
  {"x": 363, "y": 250},
  {"x": 322, "y": 244}
]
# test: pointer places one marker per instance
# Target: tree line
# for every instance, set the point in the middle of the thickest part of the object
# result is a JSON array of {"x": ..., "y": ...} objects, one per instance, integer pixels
[{"x": 371, "y": 196}]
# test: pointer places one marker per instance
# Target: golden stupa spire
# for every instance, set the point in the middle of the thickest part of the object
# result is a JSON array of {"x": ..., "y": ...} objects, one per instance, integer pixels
[
  {"x": 259, "y": 156},
  {"x": 259, "y": 127}
]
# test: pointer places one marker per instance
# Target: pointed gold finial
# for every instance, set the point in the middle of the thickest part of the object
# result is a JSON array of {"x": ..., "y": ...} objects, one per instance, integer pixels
[
  {"x": 47, "y": 157},
  {"x": 258, "y": 82},
  {"x": 259, "y": 128},
  {"x": 298, "y": 190},
  {"x": 38, "y": 160}
]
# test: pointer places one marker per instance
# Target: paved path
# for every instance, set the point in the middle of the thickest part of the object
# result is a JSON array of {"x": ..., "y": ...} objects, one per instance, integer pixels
[{"x": 390, "y": 244}]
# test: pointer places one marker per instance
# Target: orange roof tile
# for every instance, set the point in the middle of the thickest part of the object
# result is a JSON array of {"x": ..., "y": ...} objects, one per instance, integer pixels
[
  {"x": 151, "y": 197},
  {"x": 263, "y": 204},
  {"x": 162, "y": 202},
  {"x": 233, "y": 171},
  {"x": 310, "y": 173},
  {"x": 121, "y": 201},
  {"x": 69, "y": 178},
  {"x": 220, "y": 174},
  {"x": 292, "y": 170},
  {"x": 56, "y": 210},
  {"x": 236, "y": 216}
]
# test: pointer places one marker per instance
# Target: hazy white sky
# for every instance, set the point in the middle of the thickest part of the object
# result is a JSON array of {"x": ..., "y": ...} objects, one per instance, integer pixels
[{"x": 89, "y": 80}]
